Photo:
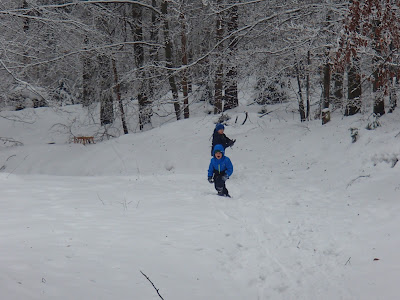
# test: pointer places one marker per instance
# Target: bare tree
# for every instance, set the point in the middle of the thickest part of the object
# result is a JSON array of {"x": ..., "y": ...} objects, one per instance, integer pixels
[
  {"x": 169, "y": 59},
  {"x": 219, "y": 73},
  {"x": 214, "y": 44},
  {"x": 231, "y": 91},
  {"x": 106, "y": 98},
  {"x": 371, "y": 26},
  {"x": 145, "y": 110},
  {"x": 88, "y": 76},
  {"x": 185, "y": 85},
  {"x": 300, "y": 93}
]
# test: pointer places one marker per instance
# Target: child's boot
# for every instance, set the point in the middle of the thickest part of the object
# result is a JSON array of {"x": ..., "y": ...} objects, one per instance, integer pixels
[{"x": 226, "y": 193}]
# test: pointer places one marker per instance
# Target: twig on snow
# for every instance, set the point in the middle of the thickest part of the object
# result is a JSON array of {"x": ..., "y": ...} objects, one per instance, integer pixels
[
  {"x": 348, "y": 261},
  {"x": 10, "y": 141},
  {"x": 98, "y": 196},
  {"x": 17, "y": 166},
  {"x": 152, "y": 284},
  {"x": 352, "y": 181},
  {"x": 125, "y": 204},
  {"x": 10, "y": 157},
  {"x": 245, "y": 118},
  {"x": 267, "y": 113}
]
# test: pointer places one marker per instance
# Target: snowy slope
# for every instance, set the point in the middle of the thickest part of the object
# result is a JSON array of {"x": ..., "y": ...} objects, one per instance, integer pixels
[{"x": 313, "y": 215}]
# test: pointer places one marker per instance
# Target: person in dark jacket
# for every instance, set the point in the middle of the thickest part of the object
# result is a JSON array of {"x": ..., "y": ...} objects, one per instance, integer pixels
[
  {"x": 219, "y": 138},
  {"x": 220, "y": 170}
]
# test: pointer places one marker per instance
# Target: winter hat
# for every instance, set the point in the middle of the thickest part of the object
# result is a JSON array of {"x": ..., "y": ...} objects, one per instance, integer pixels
[
  {"x": 219, "y": 148},
  {"x": 219, "y": 126}
]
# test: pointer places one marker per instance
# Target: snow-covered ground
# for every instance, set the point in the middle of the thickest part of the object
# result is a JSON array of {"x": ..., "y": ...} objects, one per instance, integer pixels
[{"x": 312, "y": 215}]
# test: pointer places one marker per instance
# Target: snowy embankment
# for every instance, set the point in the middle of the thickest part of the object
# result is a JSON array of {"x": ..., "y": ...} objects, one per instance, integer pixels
[{"x": 313, "y": 215}]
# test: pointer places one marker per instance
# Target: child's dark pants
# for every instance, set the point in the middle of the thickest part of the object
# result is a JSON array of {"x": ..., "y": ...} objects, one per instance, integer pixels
[{"x": 219, "y": 184}]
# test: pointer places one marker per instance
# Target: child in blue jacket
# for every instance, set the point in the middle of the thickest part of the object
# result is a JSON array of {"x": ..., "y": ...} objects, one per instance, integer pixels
[{"x": 220, "y": 170}]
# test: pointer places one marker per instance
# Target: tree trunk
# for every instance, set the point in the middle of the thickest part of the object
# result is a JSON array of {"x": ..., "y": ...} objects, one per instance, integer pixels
[
  {"x": 378, "y": 83},
  {"x": 168, "y": 56},
  {"x": 106, "y": 108},
  {"x": 185, "y": 87},
  {"x": 301, "y": 101},
  {"x": 26, "y": 20},
  {"x": 218, "y": 89},
  {"x": 145, "y": 109},
  {"x": 326, "y": 93},
  {"x": 117, "y": 89},
  {"x": 219, "y": 74},
  {"x": 392, "y": 95},
  {"x": 106, "y": 99},
  {"x": 88, "y": 75},
  {"x": 153, "y": 55},
  {"x": 231, "y": 92},
  {"x": 379, "y": 101},
  {"x": 308, "y": 86},
  {"x": 325, "y": 112},
  {"x": 337, "y": 100},
  {"x": 154, "y": 31},
  {"x": 354, "y": 89}
]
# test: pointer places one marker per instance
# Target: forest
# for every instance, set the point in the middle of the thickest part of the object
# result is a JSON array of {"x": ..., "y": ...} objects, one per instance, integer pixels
[
  {"x": 107, "y": 115},
  {"x": 124, "y": 58}
]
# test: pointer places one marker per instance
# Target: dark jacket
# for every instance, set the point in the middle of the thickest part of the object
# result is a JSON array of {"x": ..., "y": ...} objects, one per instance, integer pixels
[{"x": 220, "y": 139}]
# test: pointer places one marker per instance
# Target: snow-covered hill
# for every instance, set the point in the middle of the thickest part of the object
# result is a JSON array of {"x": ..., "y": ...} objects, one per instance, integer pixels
[{"x": 313, "y": 215}]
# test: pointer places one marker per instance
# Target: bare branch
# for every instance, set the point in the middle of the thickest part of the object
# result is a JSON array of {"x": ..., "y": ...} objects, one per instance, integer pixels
[
  {"x": 152, "y": 284},
  {"x": 25, "y": 10},
  {"x": 352, "y": 181},
  {"x": 348, "y": 261},
  {"x": 55, "y": 59}
]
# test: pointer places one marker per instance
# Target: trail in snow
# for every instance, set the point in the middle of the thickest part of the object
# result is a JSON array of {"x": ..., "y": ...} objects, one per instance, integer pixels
[
  {"x": 238, "y": 240},
  {"x": 302, "y": 223}
]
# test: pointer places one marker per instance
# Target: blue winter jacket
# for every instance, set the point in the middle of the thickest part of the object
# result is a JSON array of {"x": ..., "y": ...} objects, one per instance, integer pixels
[{"x": 220, "y": 165}]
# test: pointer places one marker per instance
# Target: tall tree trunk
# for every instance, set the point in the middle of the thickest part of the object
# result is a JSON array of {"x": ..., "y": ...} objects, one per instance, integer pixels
[
  {"x": 301, "y": 101},
  {"x": 308, "y": 86},
  {"x": 337, "y": 100},
  {"x": 326, "y": 93},
  {"x": 153, "y": 57},
  {"x": 392, "y": 94},
  {"x": 219, "y": 74},
  {"x": 145, "y": 109},
  {"x": 106, "y": 108},
  {"x": 168, "y": 56},
  {"x": 25, "y": 57},
  {"x": 26, "y": 20},
  {"x": 377, "y": 88},
  {"x": 231, "y": 92},
  {"x": 185, "y": 87},
  {"x": 153, "y": 32},
  {"x": 88, "y": 74},
  {"x": 325, "y": 112},
  {"x": 106, "y": 99},
  {"x": 378, "y": 82},
  {"x": 33, "y": 73},
  {"x": 353, "y": 105},
  {"x": 117, "y": 89}
]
